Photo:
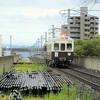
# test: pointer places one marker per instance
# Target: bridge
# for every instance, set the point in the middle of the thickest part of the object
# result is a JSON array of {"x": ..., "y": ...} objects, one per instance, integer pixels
[
  {"x": 18, "y": 49},
  {"x": 21, "y": 49}
]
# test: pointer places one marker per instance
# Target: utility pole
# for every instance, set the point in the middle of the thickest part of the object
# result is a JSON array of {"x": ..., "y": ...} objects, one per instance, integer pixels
[
  {"x": 38, "y": 45},
  {"x": 45, "y": 46},
  {"x": 66, "y": 13},
  {"x": 41, "y": 43},
  {"x": 68, "y": 23},
  {"x": 10, "y": 43},
  {"x": 53, "y": 33},
  {"x": 46, "y": 38}
]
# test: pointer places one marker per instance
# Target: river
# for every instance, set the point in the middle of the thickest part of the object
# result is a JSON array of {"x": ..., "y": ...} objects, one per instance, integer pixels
[{"x": 25, "y": 54}]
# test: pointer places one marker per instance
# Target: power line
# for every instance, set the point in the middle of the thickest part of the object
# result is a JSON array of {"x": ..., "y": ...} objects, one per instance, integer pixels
[
  {"x": 78, "y": 5},
  {"x": 93, "y": 4}
]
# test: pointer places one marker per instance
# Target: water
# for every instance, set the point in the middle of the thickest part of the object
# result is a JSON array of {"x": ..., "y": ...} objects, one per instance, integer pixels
[{"x": 25, "y": 54}]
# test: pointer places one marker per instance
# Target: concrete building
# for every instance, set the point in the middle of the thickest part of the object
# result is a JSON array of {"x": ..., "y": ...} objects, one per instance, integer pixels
[{"x": 83, "y": 26}]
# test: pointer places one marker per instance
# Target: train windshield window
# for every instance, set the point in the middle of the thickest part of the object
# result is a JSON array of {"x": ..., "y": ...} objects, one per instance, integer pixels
[
  {"x": 69, "y": 46},
  {"x": 56, "y": 46},
  {"x": 63, "y": 46}
]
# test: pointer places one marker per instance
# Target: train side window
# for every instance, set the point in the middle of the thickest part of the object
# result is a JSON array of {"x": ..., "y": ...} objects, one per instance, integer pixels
[
  {"x": 69, "y": 46},
  {"x": 56, "y": 46},
  {"x": 62, "y": 46}
]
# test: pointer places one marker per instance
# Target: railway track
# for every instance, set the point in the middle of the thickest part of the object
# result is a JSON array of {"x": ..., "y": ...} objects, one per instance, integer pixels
[
  {"x": 83, "y": 79},
  {"x": 37, "y": 60},
  {"x": 91, "y": 80}
]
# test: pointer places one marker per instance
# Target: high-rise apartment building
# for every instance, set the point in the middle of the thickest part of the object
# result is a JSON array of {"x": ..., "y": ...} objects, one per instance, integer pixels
[{"x": 82, "y": 26}]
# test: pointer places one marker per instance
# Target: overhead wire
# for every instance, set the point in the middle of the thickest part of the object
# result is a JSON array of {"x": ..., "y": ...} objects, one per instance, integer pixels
[
  {"x": 64, "y": 14},
  {"x": 80, "y": 4},
  {"x": 93, "y": 4},
  {"x": 78, "y": 11}
]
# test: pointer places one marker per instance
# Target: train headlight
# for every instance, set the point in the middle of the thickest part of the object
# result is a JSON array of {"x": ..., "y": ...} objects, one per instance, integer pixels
[
  {"x": 63, "y": 35},
  {"x": 69, "y": 54}
]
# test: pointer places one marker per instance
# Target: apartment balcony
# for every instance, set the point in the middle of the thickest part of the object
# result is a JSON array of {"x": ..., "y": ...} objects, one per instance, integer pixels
[
  {"x": 96, "y": 33},
  {"x": 96, "y": 30},
  {"x": 92, "y": 35},
  {"x": 74, "y": 30},
  {"x": 87, "y": 22},
  {"x": 94, "y": 21},
  {"x": 71, "y": 20},
  {"x": 77, "y": 20},
  {"x": 86, "y": 27},
  {"x": 87, "y": 32},
  {"x": 77, "y": 17},
  {"x": 77, "y": 25},
  {"x": 75, "y": 35},
  {"x": 87, "y": 17},
  {"x": 96, "y": 25},
  {"x": 72, "y": 25},
  {"x": 92, "y": 30},
  {"x": 91, "y": 25}
]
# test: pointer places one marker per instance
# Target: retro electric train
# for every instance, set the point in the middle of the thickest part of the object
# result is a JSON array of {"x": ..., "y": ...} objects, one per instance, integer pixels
[{"x": 59, "y": 52}]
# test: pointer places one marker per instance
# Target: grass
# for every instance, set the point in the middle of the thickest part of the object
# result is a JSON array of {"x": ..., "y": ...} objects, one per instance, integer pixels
[
  {"x": 4, "y": 98},
  {"x": 68, "y": 93},
  {"x": 32, "y": 67},
  {"x": 27, "y": 67},
  {"x": 24, "y": 60}
]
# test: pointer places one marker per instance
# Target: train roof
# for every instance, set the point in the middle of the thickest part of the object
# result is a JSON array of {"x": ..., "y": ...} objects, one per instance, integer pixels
[{"x": 59, "y": 38}]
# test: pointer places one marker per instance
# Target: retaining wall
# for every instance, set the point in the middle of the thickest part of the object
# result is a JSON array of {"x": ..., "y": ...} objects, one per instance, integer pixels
[
  {"x": 6, "y": 62},
  {"x": 88, "y": 62}
]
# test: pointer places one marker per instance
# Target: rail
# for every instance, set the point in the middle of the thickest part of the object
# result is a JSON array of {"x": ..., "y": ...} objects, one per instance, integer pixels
[{"x": 36, "y": 81}]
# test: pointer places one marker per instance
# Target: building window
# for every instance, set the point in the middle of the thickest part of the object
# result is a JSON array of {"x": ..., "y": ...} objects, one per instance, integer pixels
[
  {"x": 63, "y": 46},
  {"x": 56, "y": 46}
]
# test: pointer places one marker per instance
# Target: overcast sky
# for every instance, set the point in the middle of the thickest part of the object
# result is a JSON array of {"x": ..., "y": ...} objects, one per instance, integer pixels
[{"x": 27, "y": 20}]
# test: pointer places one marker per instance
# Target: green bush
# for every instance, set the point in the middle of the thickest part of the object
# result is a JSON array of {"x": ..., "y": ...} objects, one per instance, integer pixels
[{"x": 89, "y": 47}]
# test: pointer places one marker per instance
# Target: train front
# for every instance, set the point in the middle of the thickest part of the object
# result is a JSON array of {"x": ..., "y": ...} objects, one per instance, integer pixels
[{"x": 60, "y": 52}]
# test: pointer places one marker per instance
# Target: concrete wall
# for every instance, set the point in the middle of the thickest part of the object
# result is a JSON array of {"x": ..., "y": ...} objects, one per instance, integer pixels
[
  {"x": 6, "y": 62},
  {"x": 88, "y": 62},
  {"x": 16, "y": 57}
]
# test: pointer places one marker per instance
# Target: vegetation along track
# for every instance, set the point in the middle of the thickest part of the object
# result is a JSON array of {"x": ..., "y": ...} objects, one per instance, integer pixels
[{"x": 92, "y": 80}]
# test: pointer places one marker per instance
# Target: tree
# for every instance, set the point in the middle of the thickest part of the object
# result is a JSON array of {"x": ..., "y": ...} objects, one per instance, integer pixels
[{"x": 89, "y": 47}]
